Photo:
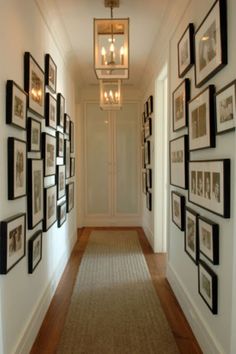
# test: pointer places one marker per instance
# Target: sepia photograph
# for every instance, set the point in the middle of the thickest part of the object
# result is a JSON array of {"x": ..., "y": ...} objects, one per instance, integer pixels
[
  {"x": 16, "y": 168},
  {"x": 209, "y": 239},
  {"x": 61, "y": 211},
  {"x": 61, "y": 181},
  {"x": 186, "y": 51},
  {"x": 60, "y": 144},
  {"x": 67, "y": 157},
  {"x": 60, "y": 110},
  {"x": 208, "y": 286},
  {"x": 33, "y": 135},
  {"x": 70, "y": 196},
  {"x": 178, "y": 162},
  {"x": 16, "y": 105},
  {"x": 35, "y": 192},
  {"x": 148, "y": 128},
  {"x": 178, "y": 209},
  {"x": 72, "y": 166},
  {"x": 191, "y": 234},
  {"x": 50, "y": 111},
  {"x": 226, "y": 108},
  {"x": 34, "y": 251},
  {"x": 49, "y": 154},
  {"x": 50, "y": 73},
  {"x": 50, "y": 207},
  {"x": 147, "y": 152},
  {"x": 67, "y": 124},
  {"x": 180, "y": 98}
]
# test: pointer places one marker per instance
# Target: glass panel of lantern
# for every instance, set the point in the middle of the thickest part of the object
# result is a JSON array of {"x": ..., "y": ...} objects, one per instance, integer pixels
[{"x": 110, "y": 94}]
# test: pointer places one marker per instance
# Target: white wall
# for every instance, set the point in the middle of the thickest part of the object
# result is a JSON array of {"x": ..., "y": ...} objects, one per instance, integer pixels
[{"x": 25, "y": 297}]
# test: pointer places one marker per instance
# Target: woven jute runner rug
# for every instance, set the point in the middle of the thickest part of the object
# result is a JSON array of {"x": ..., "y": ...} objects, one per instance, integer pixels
[{"x": 114, "y": 307}]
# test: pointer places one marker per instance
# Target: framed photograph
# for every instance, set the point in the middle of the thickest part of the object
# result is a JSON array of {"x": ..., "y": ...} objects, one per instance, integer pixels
[
  {"x": 50, "y": 207},
  {"x": 226, "y": 108},
  {"x": 72, "y": 137},
  {"x": 179, "y": 161},
  {"x": 144, "y": 182},
  {"x": 60, "y": 144},
  {"x": 50, "y": 73},
  {"x": 72, "y": 166},
  {"x": 143, "y": 118},
  {"x": 209, "y": 185},
  {"x": 148, "y": 128},
  {"x": 147, "y": 152},
  {"x": 208, "y": 286},
  {"x": 60, "y": 110},
  {"x": 180, "y": 98},
  {"x": 35, "y": 192},
  {"x": 191, "y": 244},
  {"x": 33, "y": 135},
  {"x": 67, "y": 124},
  {"x": 49, "y": 154},
  {"x": 34, "y": 85},
  {"x": 12, "y": 242},
  {"x": 61, "y": 181},
  {"x": 35, "y": 244},
  {"x": 178, "y": 210},
  {"x": 149, "y": 201},
  {"x": 211, "y": 43},
  {"x": 70, "y": 196},
  {"x": 209, "y": 239},
  {"x": 150, "y": 104},
  {"x": 16, "y": 168},
  {"x": 202, "y": 120},
  {"x": 142, "y": 136},
  {"x": 146, "y": 109},
  {"x": 186, "y": 51},
  {"x": 67, "y": 157},
  {"x": 143, "y": 156},
  {"x": 61, "y": 214},
  {"x": 50, "y": 111},
  {"x": 16, "y": 105},
  {"x": 149, "y": 178}
]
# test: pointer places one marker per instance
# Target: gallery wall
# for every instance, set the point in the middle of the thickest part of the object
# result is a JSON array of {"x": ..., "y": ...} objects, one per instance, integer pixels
[{"x": 24, "y": 297}]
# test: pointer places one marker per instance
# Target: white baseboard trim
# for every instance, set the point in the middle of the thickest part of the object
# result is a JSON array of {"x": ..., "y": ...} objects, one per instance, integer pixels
[
  {"x": 201, "y": 330},
  {"x": 109, "y": 222},
  {"x": 150, "y": 236},
  {"x": 31, "y": 329}
]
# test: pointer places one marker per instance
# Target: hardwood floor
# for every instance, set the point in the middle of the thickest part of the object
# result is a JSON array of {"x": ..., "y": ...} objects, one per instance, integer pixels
[{"x": 52, "y": 326}]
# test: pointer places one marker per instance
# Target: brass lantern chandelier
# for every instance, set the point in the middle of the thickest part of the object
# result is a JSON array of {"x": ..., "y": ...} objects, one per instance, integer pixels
[{"x": 110, "y": 95}]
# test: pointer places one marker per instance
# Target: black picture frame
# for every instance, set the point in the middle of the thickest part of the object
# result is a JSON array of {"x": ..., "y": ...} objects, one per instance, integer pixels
[
  {"x": 226, "y": 108},
  {"x": 144, "y": 182},
  {"x": 16, "y": 105},
  {"x": 72, "y": 166},
  {"x": 149, "y": 200},
  {"x": 149, "y": 178},
  {"x": 12, "y": 241},
  {"x": 185, "y": 50},
  {"x": 180, "y": 98},
  {"x": 16, "y": 168},
  {"x": 179, "y": 157},
  {"x": 201, "y": 110},
  {"x": 72, "y": 137},
  {"x": 60, "y": 144},
  {"x": 50, "y": 207},
  {"x": 34, "y": 85},
  {"x": 50, "y": 73},
  {"x": 35, "y": 245},
  {"x": 61, "y": 214},
  {"x": 148, "y": 128},
  {"x": 67, "y": 157},
  {"x": 67, "y": 120},
  {"x": 70, "y": 197},
  {"x": 61, "y": 181},
  {"x": 147, "y": 153},
  {"x": 60, "y": 110},
  {"x": 191, "y": 242},
  {"x": 209, "y": 185},
  {"x": 208, "y": 239},
  {"x": 49, "y": 154},
  {"x": 33, "y": 135},
  {"x": 208, "y": 286},
  {"x": 211, "y": 53},
  {"x": 150, "y": 104},
  {"x": 50, "y": 111},
  {"x": 178, "y": 210},
  {"x": 143, "y": 156}
]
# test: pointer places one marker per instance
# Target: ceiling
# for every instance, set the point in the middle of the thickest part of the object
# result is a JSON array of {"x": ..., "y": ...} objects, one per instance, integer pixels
[{"x": 145, "y": 20}]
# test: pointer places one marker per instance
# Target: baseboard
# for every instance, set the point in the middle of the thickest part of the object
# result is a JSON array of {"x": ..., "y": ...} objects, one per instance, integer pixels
[
  {"x": 150, "y": 236},
  {"x": 31, "y": 329},
  {"x": 117, "y": 221},
  {"x": 201, "y": 330}
]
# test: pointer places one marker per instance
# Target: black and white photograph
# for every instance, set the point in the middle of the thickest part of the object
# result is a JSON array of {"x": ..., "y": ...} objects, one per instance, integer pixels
[
  {"x": 67, "y": 124},
  {"x": 50, "y": 207},
  {"x": 179, "y": 161},
  {"x": 16, "y": 168},
  {"x": 149, "y": 201},
  {"x": 16, "y": 105},
  {"x": 209, "y": 185},
  {"x": 61, "y": 181},
  {"x": 191, "y": 243},
  {"x": 33, "y": 135},
  {"x": 186, "y": 51},
  {"x": 49, "y": 154},
  {"x": 211, "y": 43},
  {"x": 67, "y": 157},
  {"x": 178, "y": 209},
  {"x": 209, "y": 239},
  {"x": 50, "y": 111},
  {"x": 226, "y": 108},
  {"x": 70, "y": 196},
  {"x": 34, "y": 251},
  {"x": 61, "y": 214},
  {"x": 72, "y": 166},
  {"x": 35, "y": 192},
  {"x": 208, "y": 286},
  {"x": 72, "y": 137},
  {"x": 147, "y": 152},
  {"x": 180, "y": 98},
  {"x": 60, "y": 144},
  {"x": 60, "y": 110},
  {"x": 148, "y": 128},
  {"x": 50, "y": 73},
  {"x": 34, "y": 85},
  {"x": 201, "y": 120}
]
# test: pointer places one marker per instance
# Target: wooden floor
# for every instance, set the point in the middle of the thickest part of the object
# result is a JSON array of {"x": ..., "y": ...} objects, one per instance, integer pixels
[{"x": 51, "y": 329}]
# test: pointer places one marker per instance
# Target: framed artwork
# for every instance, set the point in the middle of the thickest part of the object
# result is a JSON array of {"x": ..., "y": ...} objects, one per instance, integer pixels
[
  {"x": 142, "y": 136},
  {"x": 16, "y": 105},
  {"x": 180, "y": 98},
  {"x": 150, "y": 104},
  {"x": 49, "y": 154},
  {"x": 35, "y": 192},
  {"x": 72, "y": 137},
  {"x": 208, "y": 286},
  {"x": 50, "y": 207},
  {"x": 33, "y": 135},
  {"x": 147, "y": 153},
  {"x": 60, "y": 110},
  {"x": 16, "y": 168},
  {"x": 67, "y": 124},
  {"x": 209, "y": 185},
  {"x": 178, "y": 162},
  {"x": 72, "y": 166},
  {"x": 149, "y": 178},
  {"x": 178, "y": 210},
  {"x": 201, "y": 120},
  {"x": 60, "y": 144},
  {"x": 211, "y": 43},
  {"x": 61, "y": 181},
  {"x": 208, "y": 239},
  {"x": 70, "y": 196},
  {"x": 67, "y": 157},
  {"x": 144, "y": 182},
  {"x": 50, "y": 73},
  {"x": 146, "y": 109},
  {"x": 143, "y": 156},
  {"x": 35, "y": 244},
  {"x": 226, "y": 108},
  {"x": 61, "y": 214},
  {"x": 149, "y": 201},
  {"x": 186, "y": 51},
  {"x": 12, "y": 242},
  {"x": 191, "y": 244},
  {"x": 148, "y": 128},
  {"x": 143, "y": 118},
  {"x": 50, "y": 111},
  {"x": 34, "y": 85}
]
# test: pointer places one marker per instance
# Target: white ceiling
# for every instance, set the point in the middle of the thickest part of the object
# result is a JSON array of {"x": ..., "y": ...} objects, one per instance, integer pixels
[{"x": 145, "y": 19}]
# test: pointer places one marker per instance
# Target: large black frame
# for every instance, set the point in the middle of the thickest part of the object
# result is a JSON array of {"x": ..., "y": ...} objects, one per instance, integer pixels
[
  {"x": 176, "y": 158},
  {"x": 48, "y": 170},
  {"x": 12, "y": 105}
]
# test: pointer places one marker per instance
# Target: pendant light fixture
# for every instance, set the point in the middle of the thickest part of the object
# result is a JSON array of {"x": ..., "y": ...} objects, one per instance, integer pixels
[{"x": 110, "y": 94}]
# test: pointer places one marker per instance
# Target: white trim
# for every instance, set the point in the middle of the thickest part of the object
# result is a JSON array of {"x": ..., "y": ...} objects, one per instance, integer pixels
[
  {"x": 150, "y": 236},
  {"x": 201, "y": 330},
  {"x": 125, "y": 221}
]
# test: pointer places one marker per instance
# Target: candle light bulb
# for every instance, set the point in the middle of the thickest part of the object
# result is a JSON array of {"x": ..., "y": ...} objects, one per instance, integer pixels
[
  {"x": 122, "y": 52},
  {"x": 103, "y": 51},
  {"x": 112, "y": 47}
]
